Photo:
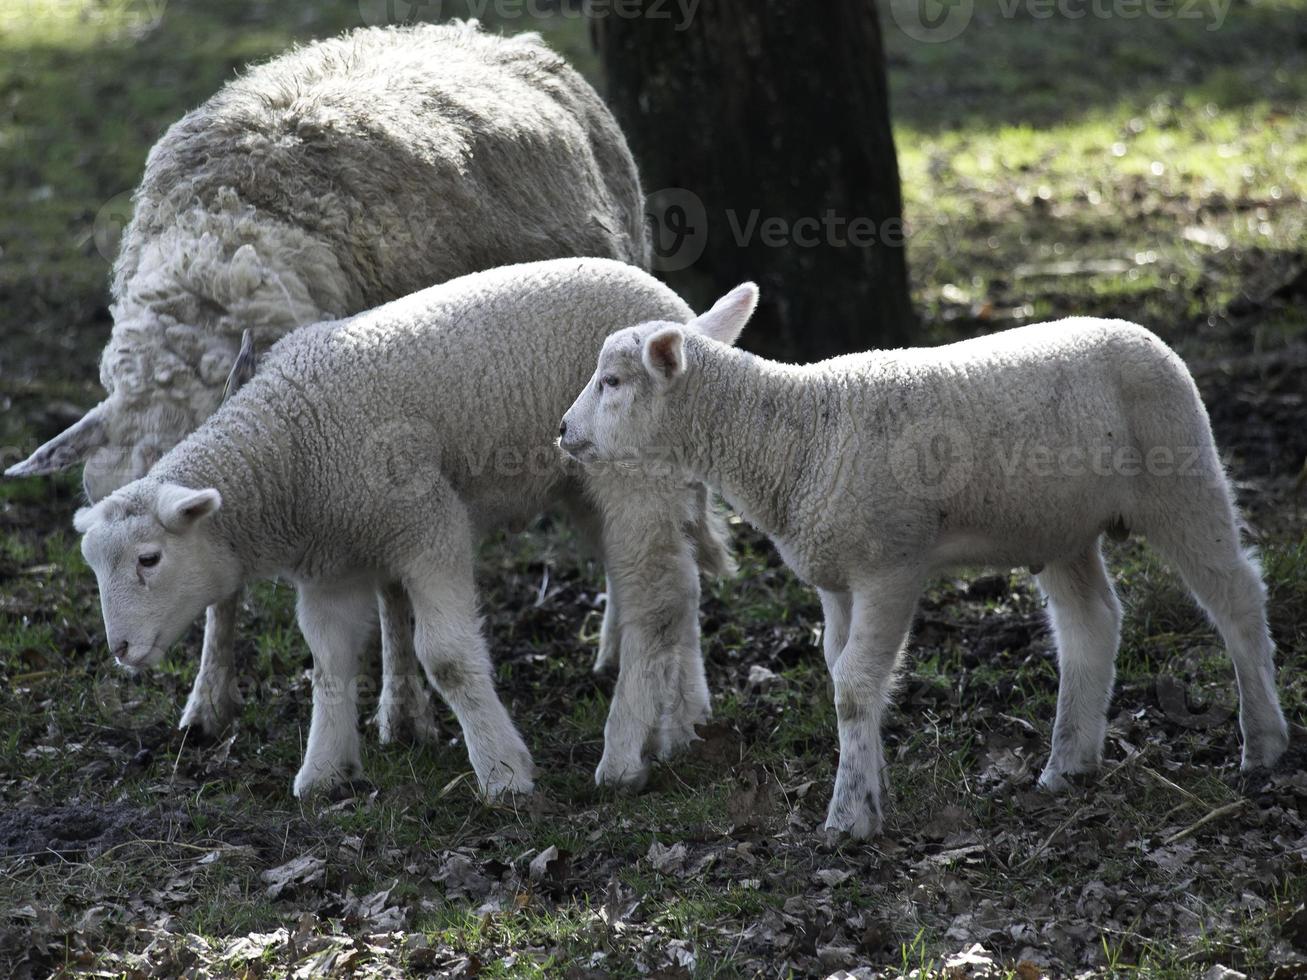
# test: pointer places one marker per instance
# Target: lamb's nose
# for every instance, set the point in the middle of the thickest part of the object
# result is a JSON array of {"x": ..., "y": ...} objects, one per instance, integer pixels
[
  {"x": 562, "y": 430},
  {"x": 120, "y": 651}
]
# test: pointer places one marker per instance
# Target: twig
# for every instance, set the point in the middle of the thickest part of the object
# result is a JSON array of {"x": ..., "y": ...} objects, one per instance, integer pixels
[
  {"x": 1049, "y": 839},
  {"x": 1217, "y": 814},
  {"x": 1191, "y": 797}
]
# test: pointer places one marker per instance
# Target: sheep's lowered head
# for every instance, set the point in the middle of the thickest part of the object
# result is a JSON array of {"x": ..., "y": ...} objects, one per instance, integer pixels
[
  {"x": 619, "y": 415},
  {"x": 118, "y": 440},
  {"x": 174, "y": 339},
  {"x": 158, "y": 564}
]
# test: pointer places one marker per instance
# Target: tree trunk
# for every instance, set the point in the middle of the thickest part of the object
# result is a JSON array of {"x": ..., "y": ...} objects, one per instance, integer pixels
[{"x": 763, "y": 136}]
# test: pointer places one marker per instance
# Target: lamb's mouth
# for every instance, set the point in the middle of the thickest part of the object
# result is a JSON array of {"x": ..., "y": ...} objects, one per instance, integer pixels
[
  {"x": 125, "y": 656},
  {"x": 582, "y": 452}
]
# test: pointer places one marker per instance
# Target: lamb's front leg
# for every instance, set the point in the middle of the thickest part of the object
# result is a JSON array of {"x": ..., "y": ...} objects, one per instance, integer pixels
[
  {"x": 661, "y": 691},
  {"x": 864, "y": 675},
  {"x": 452, "y": 650},
  {"x": 215, "y": 698},
  {"x": 336, "y": 623}
]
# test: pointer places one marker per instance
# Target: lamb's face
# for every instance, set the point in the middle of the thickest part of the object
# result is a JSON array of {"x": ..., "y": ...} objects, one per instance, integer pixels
[
  {"x": 157, "y": 565},
  {"x": 617, "y": 415},
  {"x": 621, "y": 414}
]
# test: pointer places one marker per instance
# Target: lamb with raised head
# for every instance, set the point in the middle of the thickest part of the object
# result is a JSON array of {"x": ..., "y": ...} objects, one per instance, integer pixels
[
  {"x": 370, "y": 454},
  {"x": 871, "y": 471},
  {"x": 327, "y": 181}
]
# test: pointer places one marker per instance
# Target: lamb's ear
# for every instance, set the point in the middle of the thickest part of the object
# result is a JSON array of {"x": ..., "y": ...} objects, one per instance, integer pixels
[
  {"x": 664, "y": 353},
  {"x": 729, "y": 315},
  {"x": 68, "y": 448},
  {"x": 242, "y": 369},
  {"x": 86, "y": 518},
  {"x": 180, "y": 508}
]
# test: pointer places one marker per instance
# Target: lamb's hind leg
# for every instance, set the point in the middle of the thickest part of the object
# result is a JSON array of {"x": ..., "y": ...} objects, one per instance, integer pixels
[
  {"x": 661, "y": 691},
  {"x": 590, "y": 533},
  {"x": 880, "y": 616},
  {"x": 453, "y": 652},
  {"x": 215, "y": 699},
  {"x": 1086, "y": 619},
  {"x": 405, "y": 707},
  {"x": 336, "y": 622},
  {"x": 836, "y": 608},
  {"x": 1202, "y": 542}
]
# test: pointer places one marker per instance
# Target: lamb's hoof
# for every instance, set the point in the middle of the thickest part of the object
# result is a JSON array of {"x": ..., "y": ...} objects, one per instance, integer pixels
[
  {"x": 624, "y": 775},
  {"x": 1062, "y": 780},
  {"x": 406, "y": 720},
  {"x": 1265, "y": 750},
  {"x": 507, "y": 782},
  {"x": 856, "y": 822},
  {"x": 676, "y": 737},
  {"x": 209, "y": 717},
  {"x": 323, "y": 777}
]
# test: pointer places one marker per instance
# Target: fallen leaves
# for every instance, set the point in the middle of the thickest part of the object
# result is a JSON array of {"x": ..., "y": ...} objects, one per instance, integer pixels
[{"x": 296, "y": 873}]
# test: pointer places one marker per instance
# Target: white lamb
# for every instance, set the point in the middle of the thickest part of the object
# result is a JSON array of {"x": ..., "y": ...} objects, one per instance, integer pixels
[
  {"x": 327, "y": 181},
  {"x": 871, "y": 471},
  {"x": 371, "y": 453}
]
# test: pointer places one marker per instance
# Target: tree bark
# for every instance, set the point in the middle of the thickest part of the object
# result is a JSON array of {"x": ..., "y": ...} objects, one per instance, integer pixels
[{"x": 763, "y": 135}]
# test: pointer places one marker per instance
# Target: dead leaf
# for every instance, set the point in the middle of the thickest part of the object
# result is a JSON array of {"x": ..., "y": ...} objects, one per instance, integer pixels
[
  {"x": 667, "y": 860},
  {"x": 297, "y": 873}
]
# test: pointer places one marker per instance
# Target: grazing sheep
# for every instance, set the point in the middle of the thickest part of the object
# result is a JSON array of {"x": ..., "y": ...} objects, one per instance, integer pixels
[
  {"x": 871, "y": 471},
  {"x": 370, "y": 454},
  {"x": 324, "y": 182}
]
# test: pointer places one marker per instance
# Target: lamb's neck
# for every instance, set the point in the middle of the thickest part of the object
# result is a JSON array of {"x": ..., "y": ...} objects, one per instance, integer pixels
[
  {"x": 237, "y": 454},
  {"x": 748, "y": 428}
]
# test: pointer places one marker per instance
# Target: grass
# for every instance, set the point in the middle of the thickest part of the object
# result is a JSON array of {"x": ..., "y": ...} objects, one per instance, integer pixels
[{"x": 1154, "y": 171}]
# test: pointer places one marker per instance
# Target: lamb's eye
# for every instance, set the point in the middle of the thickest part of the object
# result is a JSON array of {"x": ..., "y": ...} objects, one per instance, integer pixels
[
  {"x": 148, "y": 560},
  {"x": 610, "y": 381}
]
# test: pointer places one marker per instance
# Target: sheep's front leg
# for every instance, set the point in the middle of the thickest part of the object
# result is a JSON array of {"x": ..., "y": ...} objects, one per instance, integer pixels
[
  {"x": 405, "y": 707},
  {"x": 661, "y": 691},
  {"x": 215, "y": 698},
  {"x": 864, "y": 674},
  {"x": 336, "y": 623},
  {"x": 453, "y": 652}
]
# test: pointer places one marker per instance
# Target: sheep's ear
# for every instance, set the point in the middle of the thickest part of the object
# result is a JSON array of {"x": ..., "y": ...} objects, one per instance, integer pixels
[
  {"x": 664, "y": 353},
  {"x": 242, "y": 369},
  {"x": 179, "y": 508},
  {"x": 729, "y": 315},
  {"x": 68, "y": 448}
]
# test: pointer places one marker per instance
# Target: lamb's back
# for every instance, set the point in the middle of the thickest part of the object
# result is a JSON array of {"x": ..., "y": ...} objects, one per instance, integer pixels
[
  {"x": 1019, "y": 445},
  {"x": 470, "y": 377}
]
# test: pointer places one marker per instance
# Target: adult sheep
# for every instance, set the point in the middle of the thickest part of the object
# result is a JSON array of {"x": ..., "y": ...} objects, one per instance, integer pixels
[{"x": 328, "y": 181}]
